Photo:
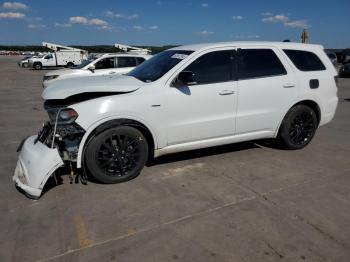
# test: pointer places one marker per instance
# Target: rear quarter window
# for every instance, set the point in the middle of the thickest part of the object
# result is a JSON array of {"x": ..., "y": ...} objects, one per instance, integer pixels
[{"x": 305, "y": 60}]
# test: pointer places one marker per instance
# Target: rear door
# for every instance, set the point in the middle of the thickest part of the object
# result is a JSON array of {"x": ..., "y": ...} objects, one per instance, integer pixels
[{"x": 266, "y": 89}]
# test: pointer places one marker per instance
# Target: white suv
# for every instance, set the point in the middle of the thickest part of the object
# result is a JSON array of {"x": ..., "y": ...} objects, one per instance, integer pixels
[
  {"x": 184, "y": 98},
  {"x": 107, "y": 64}
]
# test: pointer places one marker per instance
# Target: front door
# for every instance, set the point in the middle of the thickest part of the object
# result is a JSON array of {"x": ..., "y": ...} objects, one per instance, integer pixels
[{"x": 206, "y": 108}]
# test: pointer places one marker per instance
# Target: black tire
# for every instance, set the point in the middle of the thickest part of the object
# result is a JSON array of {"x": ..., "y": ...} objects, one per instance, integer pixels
[
  {"x": 298, "y": 127},
  {"x": 70, "y": 65},
  {"x": 38, "y": 66},
  {"x": 105, "y": 152}
]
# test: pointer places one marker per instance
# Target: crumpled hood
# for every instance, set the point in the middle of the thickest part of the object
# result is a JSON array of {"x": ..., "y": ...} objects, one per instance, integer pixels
[{"x": 91, "y": 84}]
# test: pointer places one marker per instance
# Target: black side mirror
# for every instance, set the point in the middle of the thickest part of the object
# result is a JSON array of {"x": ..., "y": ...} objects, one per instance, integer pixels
[{"x": 185, "y": 78}]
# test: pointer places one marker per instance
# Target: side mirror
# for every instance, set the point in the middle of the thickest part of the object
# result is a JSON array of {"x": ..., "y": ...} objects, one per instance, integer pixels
[
  {"x": 185, "y": 78},
  {"x": 92, "y": 68}
]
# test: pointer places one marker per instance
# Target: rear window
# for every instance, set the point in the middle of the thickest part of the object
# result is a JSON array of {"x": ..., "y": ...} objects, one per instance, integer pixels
[
  {"x": 259, "y": 63},
  {"x": 304, "y": 60}
]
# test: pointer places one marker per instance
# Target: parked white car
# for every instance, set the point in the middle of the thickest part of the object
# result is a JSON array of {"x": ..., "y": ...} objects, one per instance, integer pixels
[
  {"x": 185, "y": 98},
  {"x": 108, "y": 64}
]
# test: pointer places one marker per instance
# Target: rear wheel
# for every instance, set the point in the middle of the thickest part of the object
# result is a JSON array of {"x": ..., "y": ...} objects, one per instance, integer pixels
[
  {"x": 70, "y": 65},
  {"x": 116, "y": 155},
  {"x": 37, "y": 66},
  {"x": 298, "y": 127}
]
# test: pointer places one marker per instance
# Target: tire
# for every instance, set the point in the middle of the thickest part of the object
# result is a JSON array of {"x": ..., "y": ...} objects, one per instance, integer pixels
[
  {"x": 37, "y": 66},
  {"x": 105, "y": 152},
  {"x": 70, "y": 65},
  {"x": 298, "y": 127}
]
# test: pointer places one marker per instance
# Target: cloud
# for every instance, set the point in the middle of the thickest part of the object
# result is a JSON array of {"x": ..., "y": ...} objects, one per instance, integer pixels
[
  {"x": 36, "y": 26},
  {"x": 297, "y": 24},
  {"x": 237, "y": 17},
  {"x": 286, "y": 21},
  {"x": 64, "y": 25},
  {"x": 85, "y": 21},
  {"x": 154, "y": 27},
  {"x": 111, "y": 14},
  {"x": 267, "y": 14},
  {"x": 204, "y": 5},
  {"x": 204, "y": 33},
  {"x": 14, "y": 5},
  {"x": 133, "y": 16},
  {"x": 138, "y": 27},
  {"x": 275, "y": 19},
  {"x": 105, "y": 27},
  {"x": 12, "y": 15}
]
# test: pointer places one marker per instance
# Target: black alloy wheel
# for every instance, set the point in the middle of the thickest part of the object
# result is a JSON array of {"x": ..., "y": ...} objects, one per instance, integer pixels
[
  {"x": 116, "y": 155},
  {"x": 298, "y": 127}
]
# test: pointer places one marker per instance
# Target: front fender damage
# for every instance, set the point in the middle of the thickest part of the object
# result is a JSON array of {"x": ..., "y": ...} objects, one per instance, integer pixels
[{"x": 36, "y": 163}]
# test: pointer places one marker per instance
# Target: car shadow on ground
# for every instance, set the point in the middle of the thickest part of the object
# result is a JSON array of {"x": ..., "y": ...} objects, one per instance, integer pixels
[{"x": 56, "y": 179}]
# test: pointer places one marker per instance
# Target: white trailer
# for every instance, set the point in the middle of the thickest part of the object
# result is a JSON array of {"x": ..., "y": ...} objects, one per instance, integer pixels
[{"x": 62, "y": 56}]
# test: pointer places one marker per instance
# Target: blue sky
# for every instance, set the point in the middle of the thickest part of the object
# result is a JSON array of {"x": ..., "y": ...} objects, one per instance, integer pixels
[{"x": 161, "y": 22}]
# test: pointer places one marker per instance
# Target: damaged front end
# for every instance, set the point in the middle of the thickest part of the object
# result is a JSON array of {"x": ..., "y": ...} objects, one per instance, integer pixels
[{"x": 56, "y": 145}]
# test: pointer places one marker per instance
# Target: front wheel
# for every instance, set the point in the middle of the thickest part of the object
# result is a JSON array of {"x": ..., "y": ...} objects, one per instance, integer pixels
[
  {"x": 298, "y": 127},
  {"x": 116, "y": 155},
  {"x": 70, "y": 65}
]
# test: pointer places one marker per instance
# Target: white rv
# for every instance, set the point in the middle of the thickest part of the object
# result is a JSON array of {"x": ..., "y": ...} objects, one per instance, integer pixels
[{"x": 62, "y": 56}]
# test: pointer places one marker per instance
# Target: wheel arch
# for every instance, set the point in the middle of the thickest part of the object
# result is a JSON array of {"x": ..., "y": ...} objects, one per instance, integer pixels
[
  {"x": 313, "y": 105},
  {"x": 37, "y": 62},
  {"x": 100, "y": 127},
  {"x": 308, "y": 102}
]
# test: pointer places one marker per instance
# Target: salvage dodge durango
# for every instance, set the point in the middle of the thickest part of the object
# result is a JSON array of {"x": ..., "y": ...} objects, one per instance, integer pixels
[{"x": 185, "y": 98}]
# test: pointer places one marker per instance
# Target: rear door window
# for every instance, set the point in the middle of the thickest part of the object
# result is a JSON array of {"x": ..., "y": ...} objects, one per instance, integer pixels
[
  {"x": 126, "y": 61},
  {"x": 305, "y": 60},
  {"x": 255, "y": 63}
]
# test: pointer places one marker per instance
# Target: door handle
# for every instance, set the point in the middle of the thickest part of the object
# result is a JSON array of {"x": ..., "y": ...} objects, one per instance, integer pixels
[
  {"x": 288, "y": 85},
  {"x": 226, "y": 92}
]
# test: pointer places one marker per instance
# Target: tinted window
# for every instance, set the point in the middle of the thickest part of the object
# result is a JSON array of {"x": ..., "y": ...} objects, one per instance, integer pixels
[
  {"x": 259, "y": 63},
  {"x": 158, "y": 65},
  {"x": 214, "y": 67},
  {"x": 140, "y": 60},
  {"x": 126, "y": 61},
  {"x": 105, "y": 63},
  {"x": 305, "y": 61}
]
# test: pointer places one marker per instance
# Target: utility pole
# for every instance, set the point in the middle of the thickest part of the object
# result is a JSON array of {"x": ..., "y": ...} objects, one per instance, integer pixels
[{"x": 304, "y": 37}]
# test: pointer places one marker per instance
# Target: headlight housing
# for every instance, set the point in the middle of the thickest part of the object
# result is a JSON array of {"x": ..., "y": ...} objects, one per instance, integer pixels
[
  {"x": 65, "y": 116},
  {"x": 51, "y": 77}
]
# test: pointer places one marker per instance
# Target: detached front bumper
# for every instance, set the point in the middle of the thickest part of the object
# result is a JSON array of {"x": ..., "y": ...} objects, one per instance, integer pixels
[{"x": 36, "y": 163}]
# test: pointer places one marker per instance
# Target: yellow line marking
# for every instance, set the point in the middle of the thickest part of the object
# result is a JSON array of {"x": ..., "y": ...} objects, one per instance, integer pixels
[{"x": 81, "y": 231}]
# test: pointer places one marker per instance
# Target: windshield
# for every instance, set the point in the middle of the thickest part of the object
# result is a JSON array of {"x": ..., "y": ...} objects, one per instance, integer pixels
[
  {"x": 158, "y": 65},
  {"x": 83, "y": 63}
]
